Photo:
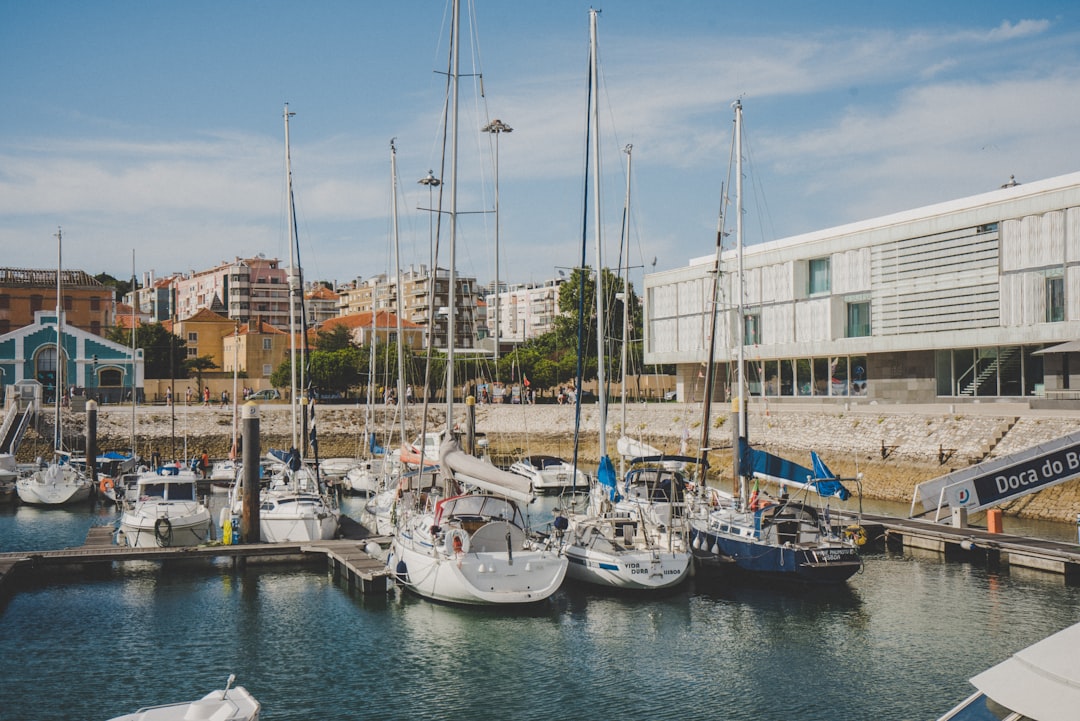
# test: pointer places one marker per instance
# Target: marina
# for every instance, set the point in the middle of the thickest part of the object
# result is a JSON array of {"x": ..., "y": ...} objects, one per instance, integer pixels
[{"x": 911, "y": 618}]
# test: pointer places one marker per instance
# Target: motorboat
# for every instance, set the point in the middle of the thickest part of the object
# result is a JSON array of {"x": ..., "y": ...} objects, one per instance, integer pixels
[
  {"x": 165, "y": 510},
  {"x": 1038, "y": 683},
  {"x": 550, "y": 474},
  {"x": 473, "y": 549},
  {"x": 54, "y": 484},
  {"x": 9, "y": 474},
  {"x": 233, "y": 703}
]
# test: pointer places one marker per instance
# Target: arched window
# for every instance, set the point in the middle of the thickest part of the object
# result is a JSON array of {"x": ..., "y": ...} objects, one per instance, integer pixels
[{"x": 45, "y": 371}]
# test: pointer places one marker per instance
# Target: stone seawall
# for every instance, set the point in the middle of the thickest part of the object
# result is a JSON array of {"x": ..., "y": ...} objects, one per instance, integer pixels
[{"x": 894, "y": 447}]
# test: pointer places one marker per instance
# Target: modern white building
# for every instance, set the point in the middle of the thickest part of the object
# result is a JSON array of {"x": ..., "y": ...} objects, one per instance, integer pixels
[{"x": 969, "y": 299}]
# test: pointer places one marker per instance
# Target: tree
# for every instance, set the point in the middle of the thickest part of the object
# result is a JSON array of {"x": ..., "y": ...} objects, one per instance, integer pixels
[
  {"x": 122, "y": 287},
  {"x": 337, "y": 338},
  {"x": 161, "y": 349},
  {"x": 197, "y": 366},
  {"x": 566, "y": 324}
]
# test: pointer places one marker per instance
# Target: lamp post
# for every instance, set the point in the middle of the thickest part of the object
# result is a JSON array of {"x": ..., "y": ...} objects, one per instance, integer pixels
[
  {"x": 431, "y": 182},
  {"x": 497, "y": 127}
]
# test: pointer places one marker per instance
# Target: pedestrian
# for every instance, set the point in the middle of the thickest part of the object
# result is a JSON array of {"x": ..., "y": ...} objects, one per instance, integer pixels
[
  {"x": 408, "y": 394},
  {"x": 155, "y": 459},
  {"x": 204, "y": 464},
  {"x": 224, "y": 398},
  {"x": 187, "y": 396},
  {"x": 168, "y": 396},
  {"x": 206, "y": 396}
]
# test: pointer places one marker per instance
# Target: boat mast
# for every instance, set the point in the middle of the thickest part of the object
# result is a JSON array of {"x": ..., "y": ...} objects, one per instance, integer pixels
[
  {"x": 451, "y": 324},
  {"x": 400, "y": 293},
  {"x": 293, "y": 280},
  {"x": 626, "y": 294},
  {"x": 134, "y": 398},
  {"x": 710, "y": 366},
  {"x": 601, "y": 394},
  {"x": 58, "y": 383},
  {"x": 740, "y": 396}
]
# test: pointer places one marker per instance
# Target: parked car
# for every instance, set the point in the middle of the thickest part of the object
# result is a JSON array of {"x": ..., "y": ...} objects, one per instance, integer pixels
[{"x": 267, "y": 394}]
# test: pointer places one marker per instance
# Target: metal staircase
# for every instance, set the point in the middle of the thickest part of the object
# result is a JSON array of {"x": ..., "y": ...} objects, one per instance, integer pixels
[{"x": 1006, "y": 360}]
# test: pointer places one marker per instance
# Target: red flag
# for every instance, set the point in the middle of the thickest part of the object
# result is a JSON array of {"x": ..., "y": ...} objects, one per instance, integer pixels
[{"x": 526, "y": 378}]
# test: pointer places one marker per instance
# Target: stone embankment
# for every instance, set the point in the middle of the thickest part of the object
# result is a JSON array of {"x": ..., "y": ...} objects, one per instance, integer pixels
[{"x": 894, "y": 447}]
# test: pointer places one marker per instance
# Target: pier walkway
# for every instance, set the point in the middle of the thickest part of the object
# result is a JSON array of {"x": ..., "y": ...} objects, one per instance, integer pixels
[
  {"x": 977, "y": 544},
  {"x": 346, "y": 558}
]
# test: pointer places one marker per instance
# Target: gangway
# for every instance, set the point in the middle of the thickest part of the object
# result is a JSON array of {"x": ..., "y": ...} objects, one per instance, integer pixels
[
  {"x": 991, "y": 483},
  {"x": 16, "y": 421}
]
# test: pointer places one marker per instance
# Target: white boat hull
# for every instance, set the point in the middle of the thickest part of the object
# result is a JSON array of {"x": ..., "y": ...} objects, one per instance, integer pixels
[
  {"x": 299, "y": 517},
  {"x": 53, "y": 486},
  {"x": 611, "y": 552},
  {"x": 233, "y": 704},
  {"x": 477, "y": 576},
  {"x": 163, "y": 525}
]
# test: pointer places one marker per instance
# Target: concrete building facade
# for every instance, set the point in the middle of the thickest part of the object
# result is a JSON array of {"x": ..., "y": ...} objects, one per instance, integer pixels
[{"x": 963, "y": 300}]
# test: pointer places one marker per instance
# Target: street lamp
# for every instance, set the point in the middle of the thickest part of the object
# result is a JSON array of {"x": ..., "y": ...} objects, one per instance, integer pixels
[
  {"x": 431, "y": 182},
  {"x": 496, "y": 127}
]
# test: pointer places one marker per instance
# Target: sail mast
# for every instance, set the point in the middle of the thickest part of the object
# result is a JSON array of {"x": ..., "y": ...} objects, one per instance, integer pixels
[
  {"x": 626, "y": 294},
  {"x": 451, "y": 324},
  {"x": 740, "y": 395},
  {"x": 292, "y": 281},
  {"x": 134, "y": 398},
  {"x": 400, "y": 292},
  {"x": 601, "y": 394},
  {"x": 58, "y": 383}
]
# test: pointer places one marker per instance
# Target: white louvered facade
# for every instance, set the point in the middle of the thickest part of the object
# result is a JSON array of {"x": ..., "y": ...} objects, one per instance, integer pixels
[{"x": 943, "y": 287}]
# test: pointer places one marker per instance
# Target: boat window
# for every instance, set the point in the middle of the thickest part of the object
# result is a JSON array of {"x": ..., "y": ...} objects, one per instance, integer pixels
[
  {"x": 155, "y": 490},
  {"x": 181, "y": 491}
]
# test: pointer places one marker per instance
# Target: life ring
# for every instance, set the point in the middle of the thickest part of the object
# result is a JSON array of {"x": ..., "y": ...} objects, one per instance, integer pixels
[
  {"x": 857, "y": 534},
  {"x": 105, "y": 485},
  {"x": 163, "y": 531},
  {"x": 456, "y": 541}
]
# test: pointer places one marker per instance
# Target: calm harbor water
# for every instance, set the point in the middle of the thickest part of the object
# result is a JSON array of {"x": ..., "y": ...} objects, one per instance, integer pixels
[{"x": 898, "y": 642}]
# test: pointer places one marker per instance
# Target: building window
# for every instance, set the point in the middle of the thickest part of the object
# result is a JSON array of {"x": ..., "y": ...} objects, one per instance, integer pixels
[
  {"x": 95, "y": 303},
  {"x": 819, "y": 281},
  {"x": 36, "y": 302},
  {"x": 193, "y": 337},
  {"x": 5, "y": 301},
  {"x": 752, "y": 329},
  {"x": 192, "y": 352},
  {"x": 858, "y": 320},
  {"x": 267, "y": 344},
  {"x": 1055, "y": 300},
  {"x": 267, "y": 369},
  {"x": 95, "y": 327},
  {"x": 69, "y": 302}
]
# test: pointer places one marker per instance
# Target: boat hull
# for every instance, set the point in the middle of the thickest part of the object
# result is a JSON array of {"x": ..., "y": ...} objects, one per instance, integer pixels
[
  {"x": 296, "y": 518},
  {"x": 475, "y": 577},
  {"x": 147, "y": 530},
  {"x": 53, "y": 486},
  {"x": 824, "y": 564},
  {"x": 632, "y": 570}
]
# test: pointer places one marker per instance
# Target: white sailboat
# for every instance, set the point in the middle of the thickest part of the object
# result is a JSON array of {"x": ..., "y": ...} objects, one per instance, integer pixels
[
  {"x": 294, "y": 507},
  {"x": 608, "y": 545},
  {"x": 59, "y": 482},
  {"x": 789, "y": 539},
  {"x": 474, "y": 548}
]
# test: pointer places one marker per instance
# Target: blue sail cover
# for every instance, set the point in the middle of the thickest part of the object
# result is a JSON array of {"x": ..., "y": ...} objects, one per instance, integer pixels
[
  {"x": 606, "y": 476},
  {"x": 774, "y": 468},
  {"x": 374, "y": 447}
]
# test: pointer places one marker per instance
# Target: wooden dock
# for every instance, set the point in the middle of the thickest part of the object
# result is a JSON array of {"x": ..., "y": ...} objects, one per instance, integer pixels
[
  {"x": 345, "y": 557},
  {"x": 977, "y": 544}
]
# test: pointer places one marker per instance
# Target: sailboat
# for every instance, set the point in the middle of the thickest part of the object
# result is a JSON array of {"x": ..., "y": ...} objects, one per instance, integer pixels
[
  {"x": 475, "y": 548},
  {"x": 789, "y": 538},
  {"x": 59, "y": 482},
  {"x": 611, "y": 545},
  {"x": 294, "y": 507}
]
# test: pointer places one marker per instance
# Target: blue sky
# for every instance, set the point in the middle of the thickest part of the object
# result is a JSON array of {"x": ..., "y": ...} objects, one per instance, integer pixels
[{"x": 157, "y": 126}]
